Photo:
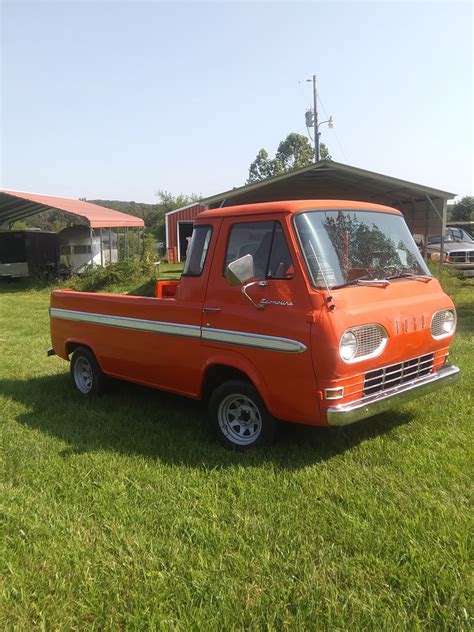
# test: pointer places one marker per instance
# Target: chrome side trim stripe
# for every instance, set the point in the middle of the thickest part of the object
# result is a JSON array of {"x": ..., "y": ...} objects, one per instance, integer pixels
[
  {"x": 125, "y": 322},
  {"x": 245, "y": 339},
  {"x": 260, "y": 341}
]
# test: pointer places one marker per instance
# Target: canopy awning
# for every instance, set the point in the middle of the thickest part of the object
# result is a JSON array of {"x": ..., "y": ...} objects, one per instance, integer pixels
[
  {"x": 16, "y": 205},
  {"x": 328, "y": 179}
]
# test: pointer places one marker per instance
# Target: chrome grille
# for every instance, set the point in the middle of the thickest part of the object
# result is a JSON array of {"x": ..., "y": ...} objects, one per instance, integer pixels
[
  {"x": 458, "y": 257},
  {"x": 369, "y": 339},
  {"x": 390, "y": 376}
]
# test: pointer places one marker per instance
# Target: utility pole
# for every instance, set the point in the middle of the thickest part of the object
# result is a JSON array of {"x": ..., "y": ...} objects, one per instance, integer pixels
[
  {"x": 312, "y": 120},
  {"x": 315, "y": 121}
]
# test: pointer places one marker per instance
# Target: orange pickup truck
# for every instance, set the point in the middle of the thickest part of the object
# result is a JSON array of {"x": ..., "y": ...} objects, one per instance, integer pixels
[{"x": 318, "y": 312}]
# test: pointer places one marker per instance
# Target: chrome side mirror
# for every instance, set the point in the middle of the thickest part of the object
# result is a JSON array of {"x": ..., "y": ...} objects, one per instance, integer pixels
[{"x": 240, "y": 270}]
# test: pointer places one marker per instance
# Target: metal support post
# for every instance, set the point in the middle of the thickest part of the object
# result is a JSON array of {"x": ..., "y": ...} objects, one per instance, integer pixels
[
  {"x": 110, "y": 245},
  {"x": 92, "y": 249},
  {"x": 101, "y": 249},
  {"x": 426, "y": 230},
  {"x": 443, "y": 217}
]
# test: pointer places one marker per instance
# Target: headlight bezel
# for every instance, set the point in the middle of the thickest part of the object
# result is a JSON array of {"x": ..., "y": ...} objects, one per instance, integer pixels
[
  {"x": 348, "y": 332},
  {"x": 366, "y": 356},
  {"x": 445, "y": 334}
]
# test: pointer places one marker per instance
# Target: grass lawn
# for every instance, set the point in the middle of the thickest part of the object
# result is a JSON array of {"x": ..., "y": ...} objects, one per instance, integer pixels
[{"x": 122, "y": 513}]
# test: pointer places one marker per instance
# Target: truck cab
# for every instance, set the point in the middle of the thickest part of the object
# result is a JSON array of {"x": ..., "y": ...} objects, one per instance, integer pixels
[{"x": 320, "y": 312}]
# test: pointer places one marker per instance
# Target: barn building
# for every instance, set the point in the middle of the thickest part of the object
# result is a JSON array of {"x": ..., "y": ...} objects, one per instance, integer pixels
[
  {"x": 179, "y": 228},
  {"x": 424, "y": 208}
]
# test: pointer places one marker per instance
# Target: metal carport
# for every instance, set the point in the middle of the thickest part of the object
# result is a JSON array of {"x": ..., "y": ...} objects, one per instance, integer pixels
[
  {"x": 17, "y": 205},
  {"x": 424, "y": 208}
]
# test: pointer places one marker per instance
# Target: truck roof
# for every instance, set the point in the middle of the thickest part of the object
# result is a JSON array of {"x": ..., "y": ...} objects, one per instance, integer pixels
[{"x": 293, "y": 206}]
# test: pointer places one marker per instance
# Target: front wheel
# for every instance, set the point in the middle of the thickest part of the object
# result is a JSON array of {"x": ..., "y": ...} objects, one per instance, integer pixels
[
  {"x": 86, "y": 375},
  {"x": 238, "y": 416}
]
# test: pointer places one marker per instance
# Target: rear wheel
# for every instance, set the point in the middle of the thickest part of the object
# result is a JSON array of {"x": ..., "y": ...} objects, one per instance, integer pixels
[
  {"x": 86, "y": 375},
  {"x": 238, "y": 416}
]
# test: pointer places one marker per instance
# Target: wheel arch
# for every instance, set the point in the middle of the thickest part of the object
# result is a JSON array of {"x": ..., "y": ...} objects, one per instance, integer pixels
[
  {"x": 220, "y": 369},
  {"x": 73, "y": 343}
]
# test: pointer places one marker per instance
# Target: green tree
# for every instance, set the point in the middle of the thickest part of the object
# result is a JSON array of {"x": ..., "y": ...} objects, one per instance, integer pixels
[
  {"x": 463, "y": 210},
  {"x": 324, "y": 152},
  {"x": 293, "y": 152},
  {"x": 262, "y": 167}
]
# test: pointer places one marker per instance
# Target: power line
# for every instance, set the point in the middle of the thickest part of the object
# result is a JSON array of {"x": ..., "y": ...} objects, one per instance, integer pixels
[{"x": 334, "y": 131}]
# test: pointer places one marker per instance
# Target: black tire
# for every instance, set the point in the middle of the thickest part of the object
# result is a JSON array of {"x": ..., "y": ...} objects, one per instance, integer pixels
[
  {"x": 242, "y": 398},
  {"x": 86, "y": 375}
]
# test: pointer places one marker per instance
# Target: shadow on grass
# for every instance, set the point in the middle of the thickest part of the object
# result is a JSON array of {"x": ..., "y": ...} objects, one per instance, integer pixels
[
  {"x": 135, "y": 420},
  {"x": 14, "y": 286}
]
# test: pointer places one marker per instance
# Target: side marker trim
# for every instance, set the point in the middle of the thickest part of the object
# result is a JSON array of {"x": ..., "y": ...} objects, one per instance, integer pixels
[{"x": 242, "y": 338}]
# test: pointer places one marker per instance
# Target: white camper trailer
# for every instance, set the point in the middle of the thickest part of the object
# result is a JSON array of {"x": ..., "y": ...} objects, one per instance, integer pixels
[{"x": 80, "y": 246}]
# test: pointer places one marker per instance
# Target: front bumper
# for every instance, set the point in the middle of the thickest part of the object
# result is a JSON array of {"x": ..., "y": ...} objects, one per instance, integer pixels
[
  {"x": 464, "y": 269},
  {"x": 345, "y": 414}
]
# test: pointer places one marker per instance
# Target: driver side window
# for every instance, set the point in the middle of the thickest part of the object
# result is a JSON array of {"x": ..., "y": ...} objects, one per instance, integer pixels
[{"x": 266, "y": 242}]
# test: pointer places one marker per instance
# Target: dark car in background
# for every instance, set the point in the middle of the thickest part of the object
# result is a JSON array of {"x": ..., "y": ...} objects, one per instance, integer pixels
[{"x": 458, "y": 250}]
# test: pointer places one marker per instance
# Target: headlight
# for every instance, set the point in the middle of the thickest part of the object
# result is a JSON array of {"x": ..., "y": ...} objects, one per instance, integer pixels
[
  {"x": 443, "y": 323},
  {"x": 362, "y": 342},
  {"x": 449, "y": 322},
  {"x": 348, "y": 346}
]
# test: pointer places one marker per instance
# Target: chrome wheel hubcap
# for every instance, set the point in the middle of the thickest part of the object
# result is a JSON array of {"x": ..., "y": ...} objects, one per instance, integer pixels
[
  {"x": 83, "y": 375},
  {"x": 239, "y": 419}
]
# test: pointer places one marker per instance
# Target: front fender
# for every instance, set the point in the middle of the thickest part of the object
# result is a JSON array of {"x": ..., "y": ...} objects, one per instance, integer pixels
[{"x": 237, "y": 361}]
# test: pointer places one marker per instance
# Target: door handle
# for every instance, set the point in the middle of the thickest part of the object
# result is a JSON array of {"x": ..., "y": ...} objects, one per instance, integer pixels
[
  {"x": 244, "y": 289},
  {"x": 211, "y": 309}
]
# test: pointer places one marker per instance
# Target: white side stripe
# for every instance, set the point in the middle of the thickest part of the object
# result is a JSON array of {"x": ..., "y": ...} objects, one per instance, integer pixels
[
  {"x": 253, "y": 340},
  {"x": 261, "y": 341},
  {"x": 125, "y": 322}
]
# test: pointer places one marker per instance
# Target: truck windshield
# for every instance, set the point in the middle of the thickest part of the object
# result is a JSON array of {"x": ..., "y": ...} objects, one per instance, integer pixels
[
  {"x": 342, "y": 247},
  {"x": 453, "y": 235}
]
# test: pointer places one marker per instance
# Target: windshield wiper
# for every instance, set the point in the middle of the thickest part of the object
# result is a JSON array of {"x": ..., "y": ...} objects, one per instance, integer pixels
[
  {"x": 411, "y": 275},
  {"x": 364, "y": 281}
]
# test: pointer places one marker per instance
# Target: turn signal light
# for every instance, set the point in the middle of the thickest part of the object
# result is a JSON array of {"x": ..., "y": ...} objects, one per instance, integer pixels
[{"x": 334, "y": 393}]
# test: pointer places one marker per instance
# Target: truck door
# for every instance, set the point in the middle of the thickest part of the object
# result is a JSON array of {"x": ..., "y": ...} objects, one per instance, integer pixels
[{"x": 266, "y": 320}]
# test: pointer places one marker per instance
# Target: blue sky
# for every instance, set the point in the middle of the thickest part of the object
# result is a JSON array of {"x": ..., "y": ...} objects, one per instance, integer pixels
[{"x": 118, "y": 99}]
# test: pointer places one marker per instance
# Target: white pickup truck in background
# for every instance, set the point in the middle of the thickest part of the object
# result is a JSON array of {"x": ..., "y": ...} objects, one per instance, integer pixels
[{"x": 458, "y": 250}]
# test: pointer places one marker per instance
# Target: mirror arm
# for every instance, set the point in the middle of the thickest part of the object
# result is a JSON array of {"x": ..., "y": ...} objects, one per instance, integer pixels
[{"x": 244, "y": 288}]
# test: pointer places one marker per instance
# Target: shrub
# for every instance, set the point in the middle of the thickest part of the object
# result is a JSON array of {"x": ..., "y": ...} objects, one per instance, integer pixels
[{"x": 94, "y": 279}]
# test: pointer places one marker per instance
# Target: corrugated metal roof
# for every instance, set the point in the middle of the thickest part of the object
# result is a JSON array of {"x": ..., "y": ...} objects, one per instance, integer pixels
[
  {"x": 16, "y": 205},
  {"x": 330, "y": 180}
]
